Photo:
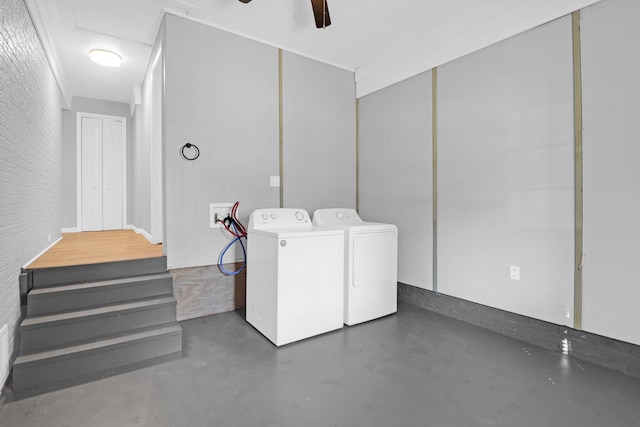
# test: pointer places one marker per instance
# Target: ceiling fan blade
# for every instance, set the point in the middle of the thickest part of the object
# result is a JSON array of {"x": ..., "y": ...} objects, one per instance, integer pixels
[{"x": 321, "y": 13}]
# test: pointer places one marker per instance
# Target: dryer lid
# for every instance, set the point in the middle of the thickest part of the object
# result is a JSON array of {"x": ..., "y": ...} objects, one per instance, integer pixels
[{"x": 336, "y": 216}]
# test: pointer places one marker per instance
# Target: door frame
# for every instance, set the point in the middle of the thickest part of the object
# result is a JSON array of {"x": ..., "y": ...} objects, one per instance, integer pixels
[{"x": 79, "y": 117}]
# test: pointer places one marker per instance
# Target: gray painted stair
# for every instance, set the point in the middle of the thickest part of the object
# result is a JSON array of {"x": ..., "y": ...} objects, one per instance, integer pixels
[
  {"x": 91, "y": 319},
  {"x": 72, "y": 297},
  {"x": 43, "y": 277},
  {"x": 66, "y": 328},
  {"x": 55, "y": 366}
]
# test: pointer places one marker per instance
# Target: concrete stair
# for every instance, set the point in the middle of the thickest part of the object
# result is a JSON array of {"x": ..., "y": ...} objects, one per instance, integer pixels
[
  {"x": 80, "y": 295},
  {"x": 86, "y": 320}
]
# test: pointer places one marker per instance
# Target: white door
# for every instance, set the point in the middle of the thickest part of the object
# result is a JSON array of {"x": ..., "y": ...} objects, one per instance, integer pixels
[
  {"x": 102, "y": 163},
  {"x": 112, "y": 170},
  {"x": 91, "y": 158}
]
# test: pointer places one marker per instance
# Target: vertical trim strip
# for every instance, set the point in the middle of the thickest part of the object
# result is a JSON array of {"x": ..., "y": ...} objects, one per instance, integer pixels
[
  {"x": 357, "y": 155},
  {"x": 280, "y": 143},
  {"x": 577, "y": 112},
  {"x": 434, "y": 155}
]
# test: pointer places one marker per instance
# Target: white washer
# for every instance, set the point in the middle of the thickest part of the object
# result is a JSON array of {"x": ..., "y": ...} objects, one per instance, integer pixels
[
  {"x": 295, "y": 274},
  {"x": 371, "y": 264}
]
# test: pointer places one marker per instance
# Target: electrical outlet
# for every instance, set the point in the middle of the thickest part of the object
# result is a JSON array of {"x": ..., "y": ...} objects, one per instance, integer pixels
[
  {"x": 514, "y": 272},
  {"x": 218, "y": 211}
]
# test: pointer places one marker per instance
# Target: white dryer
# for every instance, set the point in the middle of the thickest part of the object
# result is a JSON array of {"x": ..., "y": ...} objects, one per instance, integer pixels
[
  {"x": 371, "y": 264},
  {"x": 295, "y": 276}
]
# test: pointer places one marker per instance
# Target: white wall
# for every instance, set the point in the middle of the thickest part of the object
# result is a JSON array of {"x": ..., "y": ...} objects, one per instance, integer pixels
[
  {"x": 30, "y": 156},
  {"x": 611, "y": 66},
  {"x": 505, "y": 153},
  {"x": 141, "y": 160},
  {"x": 319, "y": 126},
  {"x": 147, "y": 146},
  {"x": 396, "y": 181},
  {"x": 69, "y": 152},
  {"x": 459, "y": 36},
  {"x": 505, "y": 174},
  {"x": 140, "y": 176},
  {"x": 506, "y": 191},
  {"x": 505, "y": 170},
  {"x": 221, "y": 94}
]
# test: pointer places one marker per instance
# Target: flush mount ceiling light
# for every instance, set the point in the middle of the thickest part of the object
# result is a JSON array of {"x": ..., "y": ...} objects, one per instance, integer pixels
[{"x": 105, "y": 57}]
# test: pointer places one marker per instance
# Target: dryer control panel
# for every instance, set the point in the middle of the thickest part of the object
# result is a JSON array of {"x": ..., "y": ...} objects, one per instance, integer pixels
[
  {"x": 336, "y": 216},
  {"x": 262, "y": 219}
]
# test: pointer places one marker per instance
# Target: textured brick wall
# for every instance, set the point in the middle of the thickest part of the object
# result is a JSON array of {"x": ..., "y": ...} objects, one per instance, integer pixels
[{"x": 30, "y": 154}]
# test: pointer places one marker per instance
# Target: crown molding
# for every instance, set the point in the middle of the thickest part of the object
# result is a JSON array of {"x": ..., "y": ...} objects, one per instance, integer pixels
[{"x": 42, "y": 24}]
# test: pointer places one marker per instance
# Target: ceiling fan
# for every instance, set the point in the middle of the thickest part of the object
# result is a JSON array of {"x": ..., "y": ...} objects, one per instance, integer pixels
[{"x": 320, "y": 12}]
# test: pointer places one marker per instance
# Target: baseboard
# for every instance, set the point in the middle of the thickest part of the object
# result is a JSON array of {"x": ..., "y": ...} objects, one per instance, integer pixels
[
  {"x": 126, "y": 227},
  {"x": 25, "y": 281},
  {"x": 608, "y": 352},
  {"x": 41, "y": 253},
  {"x": 4, "y": 356},
  {"x": 139, "y": 231}
]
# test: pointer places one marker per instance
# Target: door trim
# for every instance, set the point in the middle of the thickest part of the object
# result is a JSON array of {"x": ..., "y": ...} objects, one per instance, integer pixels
[{"x": 79, "y": 117}]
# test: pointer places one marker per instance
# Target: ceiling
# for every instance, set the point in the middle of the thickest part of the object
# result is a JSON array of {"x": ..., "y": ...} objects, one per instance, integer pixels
[{"x": 382, "y": 41}]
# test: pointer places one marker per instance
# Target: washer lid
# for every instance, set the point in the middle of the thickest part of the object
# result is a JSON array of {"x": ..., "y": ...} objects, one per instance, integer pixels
[
  {"x": 278, "y": 218},
  {"x": 285, "y": 223}
]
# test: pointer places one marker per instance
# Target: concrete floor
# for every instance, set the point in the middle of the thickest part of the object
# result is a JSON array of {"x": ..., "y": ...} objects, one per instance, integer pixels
[{"x": 415, "y": 368}]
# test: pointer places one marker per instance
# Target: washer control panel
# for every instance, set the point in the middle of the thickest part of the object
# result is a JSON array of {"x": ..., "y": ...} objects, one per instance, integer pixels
[
  {"x": 336, "y": 216},
  {"x": 279, "y": 218}
]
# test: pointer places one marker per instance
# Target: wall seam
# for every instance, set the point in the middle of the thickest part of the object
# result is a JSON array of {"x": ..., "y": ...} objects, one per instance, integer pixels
[
  {"x": 281, "y": 130},
  {"x": 434, "y": 148},
  {"x": 357, "y": 155},
  {"x": 578, "y": 165}
]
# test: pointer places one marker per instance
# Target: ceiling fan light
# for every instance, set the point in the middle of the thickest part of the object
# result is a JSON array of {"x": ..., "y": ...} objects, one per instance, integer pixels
[{"x": 105, "y": 57}]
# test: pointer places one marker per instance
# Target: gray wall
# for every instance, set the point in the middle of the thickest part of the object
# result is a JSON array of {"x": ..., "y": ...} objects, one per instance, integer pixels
[
  {"x": 395, "y": 182},
  {"x": 227, "y": 103},
  {"x": 69, "y": 151},
  {"x": 221, "y": 94},
  {"x": 611, "y": 66},
  {"x": 30, "y": 155},
  {"x": 319, "y": 133},
  {"x": 505, "y": 174},
  {"x": 145, "y": 121},
  {"x": 140, "y": 176},
  {"x": 505, "y": 171}
]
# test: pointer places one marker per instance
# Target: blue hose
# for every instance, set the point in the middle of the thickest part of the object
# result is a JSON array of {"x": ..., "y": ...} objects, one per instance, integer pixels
[{"x": 244, "y": 252}]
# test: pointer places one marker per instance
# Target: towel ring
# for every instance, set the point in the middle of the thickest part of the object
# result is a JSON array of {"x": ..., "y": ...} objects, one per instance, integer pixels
[{"x": 189, "y": 151}]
